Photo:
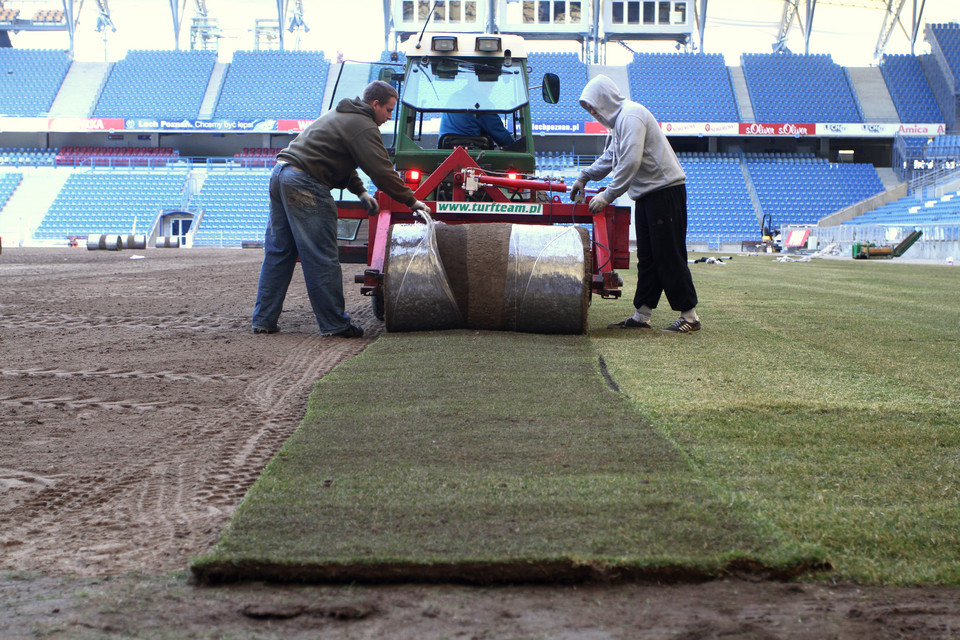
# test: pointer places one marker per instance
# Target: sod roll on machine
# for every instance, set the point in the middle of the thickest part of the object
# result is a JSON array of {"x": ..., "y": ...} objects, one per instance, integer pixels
[{"x": 502, "y": 250}]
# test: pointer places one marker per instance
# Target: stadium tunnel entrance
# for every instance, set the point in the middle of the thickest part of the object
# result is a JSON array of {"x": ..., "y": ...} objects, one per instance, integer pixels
[{"x": 178, "y": 224}]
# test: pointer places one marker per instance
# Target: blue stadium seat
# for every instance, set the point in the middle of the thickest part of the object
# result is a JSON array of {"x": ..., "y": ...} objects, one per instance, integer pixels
[
  {"x": 798, "y": 88},
  {"x": 909, "y": 89},
  {"x": 31, "y": 80},
  {"x": 683, "y": 87},
  {"x": 573, "y": 77},
  {"x": 274, "y": 84},
  {"x": 156, "y": 84},
  {"x": 110, "y": 201},
  {"x": 235, "y": 205},
  {"x": 817, "y": 188}
]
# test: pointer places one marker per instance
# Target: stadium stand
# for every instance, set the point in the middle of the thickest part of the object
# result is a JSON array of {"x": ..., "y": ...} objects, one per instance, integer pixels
[
  {"x": 948, "y": 40},
  {"x": 910, "y": 210},
  {"x": 257, "y": 157},
  {"x": 787, "y": 87},
  {"x": 115, "y": 156},
  {"x": 156, "y": 84},
  {"x": 719, "y": 208},
  {"x": 573, "y": 77},
  {"x": 942, "y": 67},
  {"x": 794, "y": 189},
  {"x": 728, "y": 193},
  {"x": 111, "y": 201},
  {"x": 273, "y": 84},
  {"x": 31, "y": 80},
  {"x": 947, "y": 147},
  {"x": 18, "y": 156},
  {"x": 8, "y": 184},
  {"x": 554, "y": 163},
  {"x": 235, "y": 206},
  {"x": 909, "y": 89},
  {"x": 51, "y": 16},
  {"x": 683, "y": 87}
]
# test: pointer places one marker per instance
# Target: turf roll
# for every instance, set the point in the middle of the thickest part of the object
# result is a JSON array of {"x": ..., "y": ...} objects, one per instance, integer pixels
[{"x": 493, "y": 276}]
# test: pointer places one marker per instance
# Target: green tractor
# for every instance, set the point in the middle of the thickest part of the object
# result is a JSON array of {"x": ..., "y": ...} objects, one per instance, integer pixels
[{"x": 475, "y": 74}]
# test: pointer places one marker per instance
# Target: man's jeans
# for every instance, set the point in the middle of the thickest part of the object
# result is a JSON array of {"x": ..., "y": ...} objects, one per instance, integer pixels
[{"x": 303, "y": 222}]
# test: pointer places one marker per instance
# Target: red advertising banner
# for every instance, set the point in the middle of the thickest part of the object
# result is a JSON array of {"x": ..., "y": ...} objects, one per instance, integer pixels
[
  {"x": 594, "y": 127},
  {"x": 67, "y": 123}
]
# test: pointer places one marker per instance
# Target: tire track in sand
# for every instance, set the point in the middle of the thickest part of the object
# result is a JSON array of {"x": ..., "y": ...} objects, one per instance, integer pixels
[{"x": 147, "y": 479}]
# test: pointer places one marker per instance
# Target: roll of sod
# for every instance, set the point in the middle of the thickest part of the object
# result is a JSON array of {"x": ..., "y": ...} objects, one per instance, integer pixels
[
  {"x": 134, "y": 241},
  {"x": 113, "y": 242},
  {"x": 493, "y": 276},
  {"x": 168, "y": 242}
]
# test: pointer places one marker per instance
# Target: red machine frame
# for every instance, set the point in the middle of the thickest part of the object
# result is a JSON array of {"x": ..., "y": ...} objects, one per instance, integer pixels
[{"x": 611, "y": 226}]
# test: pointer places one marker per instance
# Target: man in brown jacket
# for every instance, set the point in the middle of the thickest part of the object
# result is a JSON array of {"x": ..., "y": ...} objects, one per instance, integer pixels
[{"x": 303, "y": 214}]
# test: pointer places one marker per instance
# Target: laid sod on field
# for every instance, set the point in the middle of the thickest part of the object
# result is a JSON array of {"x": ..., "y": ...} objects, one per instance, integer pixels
[
  {"x": 826, "y": 395},
  {"x": 488, "y": 457}
]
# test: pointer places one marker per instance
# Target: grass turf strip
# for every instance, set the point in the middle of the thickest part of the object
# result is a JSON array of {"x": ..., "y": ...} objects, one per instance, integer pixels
[
  {"x": 826, "y": 394},
  {"x": 485, "y": 457}
]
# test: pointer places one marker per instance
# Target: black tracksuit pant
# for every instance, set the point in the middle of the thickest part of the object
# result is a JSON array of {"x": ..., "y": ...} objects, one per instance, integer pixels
[{"x": 661, "y": 225}]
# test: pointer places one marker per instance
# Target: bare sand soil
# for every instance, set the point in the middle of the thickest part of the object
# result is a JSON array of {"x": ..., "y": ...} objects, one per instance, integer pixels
[{"x": 136, "y": 408}]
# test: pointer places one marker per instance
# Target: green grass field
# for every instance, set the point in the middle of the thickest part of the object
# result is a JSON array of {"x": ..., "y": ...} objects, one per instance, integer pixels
[
  {"x": 814, "y": 419},
  {"x": 826, "y": 395}
]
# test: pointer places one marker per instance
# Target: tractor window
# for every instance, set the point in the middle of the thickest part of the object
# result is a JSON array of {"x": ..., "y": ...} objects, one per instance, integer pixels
[{"x": 449, "y": 84}]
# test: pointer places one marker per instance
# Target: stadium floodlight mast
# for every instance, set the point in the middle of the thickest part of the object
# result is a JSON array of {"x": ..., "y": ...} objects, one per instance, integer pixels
[
  {"x": 892, "y": 10},
  {"x": 891, "y": 18}
]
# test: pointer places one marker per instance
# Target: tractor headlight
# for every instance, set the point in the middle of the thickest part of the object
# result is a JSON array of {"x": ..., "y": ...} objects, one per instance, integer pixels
[
  {"x": 444, "y": 43},
  {"x": 488, "y": 45}
]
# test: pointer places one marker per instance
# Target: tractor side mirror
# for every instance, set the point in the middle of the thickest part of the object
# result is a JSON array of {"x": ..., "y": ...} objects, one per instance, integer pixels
[
  {"x": 551, "y": 88},
  {"x": 387, "y": 75}
]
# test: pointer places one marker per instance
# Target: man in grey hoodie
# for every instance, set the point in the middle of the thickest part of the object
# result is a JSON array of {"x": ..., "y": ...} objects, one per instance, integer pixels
[
  {"x": 644, "y": 167},
  {"x": 303, "y": 213}
]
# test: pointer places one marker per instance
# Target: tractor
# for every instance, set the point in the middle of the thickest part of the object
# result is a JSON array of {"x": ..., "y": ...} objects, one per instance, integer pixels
[{"x": 468, "y": 180}]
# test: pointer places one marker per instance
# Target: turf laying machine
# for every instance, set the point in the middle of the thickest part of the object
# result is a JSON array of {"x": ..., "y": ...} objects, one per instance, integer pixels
[{"x": 504, "y": 249}]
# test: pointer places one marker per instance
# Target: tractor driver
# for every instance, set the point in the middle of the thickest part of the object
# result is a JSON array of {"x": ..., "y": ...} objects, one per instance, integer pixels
[{"x": 474, "y": 95}]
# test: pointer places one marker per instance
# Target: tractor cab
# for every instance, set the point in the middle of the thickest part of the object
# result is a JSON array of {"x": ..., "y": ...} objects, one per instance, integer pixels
[{"x": 470, "y": 91}]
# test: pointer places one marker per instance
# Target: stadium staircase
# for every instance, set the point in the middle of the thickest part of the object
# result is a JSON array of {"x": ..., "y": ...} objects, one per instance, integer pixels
[
  {"x": 742, "y": 93},
  {"x": 80, "y": 89},
  {"x": 873, "y": 96},
  {"x": 208, "y": 104}
]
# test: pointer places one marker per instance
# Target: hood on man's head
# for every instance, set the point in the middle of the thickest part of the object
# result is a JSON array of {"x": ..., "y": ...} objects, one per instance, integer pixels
[{"x": 603, "y": 95}]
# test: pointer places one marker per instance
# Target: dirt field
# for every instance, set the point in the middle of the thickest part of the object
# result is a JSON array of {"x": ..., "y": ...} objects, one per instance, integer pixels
[{"x": 136, "y": 408}]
